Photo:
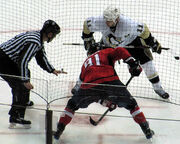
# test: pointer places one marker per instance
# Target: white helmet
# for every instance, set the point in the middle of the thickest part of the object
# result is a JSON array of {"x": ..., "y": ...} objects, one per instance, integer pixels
[{"x": 111, "y": 14}]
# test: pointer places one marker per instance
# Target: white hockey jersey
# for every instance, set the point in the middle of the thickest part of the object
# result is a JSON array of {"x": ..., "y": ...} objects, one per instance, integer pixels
[{"x": 126, "y": 30}]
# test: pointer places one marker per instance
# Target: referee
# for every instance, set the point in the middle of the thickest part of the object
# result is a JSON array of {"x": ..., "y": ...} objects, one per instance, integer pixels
[{"x": 15, "y": 54}]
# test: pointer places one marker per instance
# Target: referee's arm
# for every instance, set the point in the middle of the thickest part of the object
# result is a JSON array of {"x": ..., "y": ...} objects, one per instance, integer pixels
[
  {"x": 43, "y": 62},
  {"x": 25, "y": 56}
]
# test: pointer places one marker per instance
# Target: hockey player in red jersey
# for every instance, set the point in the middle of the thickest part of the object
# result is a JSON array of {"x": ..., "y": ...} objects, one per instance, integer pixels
[{"x": 100, "y": 83}]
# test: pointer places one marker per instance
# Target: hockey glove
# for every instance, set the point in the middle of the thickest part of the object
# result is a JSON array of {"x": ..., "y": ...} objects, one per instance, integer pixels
[
  {"x": 155, "y": 45},
  {"x": 88, "y": 40},
  {"x": 108, "y": 104},
  {"x": 134, "y": 67},
  {"x": 88, "y": 43}
]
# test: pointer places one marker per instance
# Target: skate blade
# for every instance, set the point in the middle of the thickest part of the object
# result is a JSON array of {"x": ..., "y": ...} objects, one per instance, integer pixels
[
  {"x": 150, "y": 141},
  {"x": 167, "y": 100},
  {"x": 55, "y": 141},
  {"x": 19, "y": 126}
]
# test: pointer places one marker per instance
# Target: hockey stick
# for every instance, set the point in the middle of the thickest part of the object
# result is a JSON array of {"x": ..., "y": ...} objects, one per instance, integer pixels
[
  {"x": 79, "y": 44},
  {"x": 95, "y": 123},
  {"x": 129, "y": 47}
]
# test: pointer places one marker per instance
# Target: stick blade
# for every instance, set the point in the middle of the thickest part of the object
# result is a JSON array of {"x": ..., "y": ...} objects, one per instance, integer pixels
[
  {"x": 165, "y": 48},
  {"x": 92, "y": 121}
]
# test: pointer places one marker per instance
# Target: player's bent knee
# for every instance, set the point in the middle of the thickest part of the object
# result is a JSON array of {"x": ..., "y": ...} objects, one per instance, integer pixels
[
  {"x": 132, "y": 104},
  {"x": 72, "y": 105}
]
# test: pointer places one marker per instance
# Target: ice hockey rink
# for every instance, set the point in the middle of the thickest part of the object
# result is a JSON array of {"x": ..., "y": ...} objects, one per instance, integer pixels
[{"x": 117, "y": 127}]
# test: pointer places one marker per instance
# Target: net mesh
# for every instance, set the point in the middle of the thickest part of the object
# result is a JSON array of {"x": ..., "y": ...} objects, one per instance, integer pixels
[{"x": 162, "y": 18}]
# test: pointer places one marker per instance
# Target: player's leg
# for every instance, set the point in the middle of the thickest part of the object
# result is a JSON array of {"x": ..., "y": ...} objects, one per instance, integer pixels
[
  {"x": 153, "y": 77},
  {"x": 139, "y": 117},
  {"x": 66, "y": 117},
  {"x": 145, "y": 57},
  {"x": 81, "y": 99},
  {"x": 123, "y": 98}
]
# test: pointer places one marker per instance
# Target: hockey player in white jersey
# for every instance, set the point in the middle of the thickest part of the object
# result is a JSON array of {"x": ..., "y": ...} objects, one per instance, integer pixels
[{"x": 119, "y": 30}]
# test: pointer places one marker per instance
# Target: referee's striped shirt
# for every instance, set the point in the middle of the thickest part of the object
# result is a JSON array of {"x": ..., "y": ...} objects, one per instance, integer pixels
[{"x": 23, "y": 47}]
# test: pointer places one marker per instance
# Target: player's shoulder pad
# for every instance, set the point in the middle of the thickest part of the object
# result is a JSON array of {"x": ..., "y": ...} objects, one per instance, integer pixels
[{"x": 145, "y": 32}]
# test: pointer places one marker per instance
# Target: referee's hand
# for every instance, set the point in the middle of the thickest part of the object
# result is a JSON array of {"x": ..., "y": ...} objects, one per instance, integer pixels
[
  {"x": 28, "y": 85},
  {"x": 56, "y": 72}
]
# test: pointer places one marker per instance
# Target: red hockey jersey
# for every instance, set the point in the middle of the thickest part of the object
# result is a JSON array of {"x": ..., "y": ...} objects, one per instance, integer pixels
[{"x": 99, "y": 67}]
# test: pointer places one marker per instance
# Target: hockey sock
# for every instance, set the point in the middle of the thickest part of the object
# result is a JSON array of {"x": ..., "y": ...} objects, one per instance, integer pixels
[
  {"x": 138, "y": 115},
  {"x": 66, "y": 116}
]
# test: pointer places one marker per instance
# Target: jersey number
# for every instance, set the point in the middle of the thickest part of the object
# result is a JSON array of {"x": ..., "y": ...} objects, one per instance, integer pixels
[{"x": 89, "y": 61}]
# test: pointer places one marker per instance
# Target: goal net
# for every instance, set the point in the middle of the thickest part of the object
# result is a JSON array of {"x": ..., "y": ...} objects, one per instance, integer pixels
[{"x": 162, "y": 18}]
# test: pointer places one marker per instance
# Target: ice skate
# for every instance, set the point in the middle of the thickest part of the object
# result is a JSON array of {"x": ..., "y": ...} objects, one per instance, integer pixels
[
  {"x": 57, "y": 134},
  {"x": 146, "y": 130},
  {"x": 148, "y": 133},
  {"x": 162, "y": 93},
  {"x": 19, "y": 123},
  {"x": 56, "y": 141}
]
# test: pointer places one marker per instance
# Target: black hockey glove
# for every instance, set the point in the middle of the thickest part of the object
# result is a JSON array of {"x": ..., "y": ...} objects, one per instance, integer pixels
[
  {"x": 156, "y": 47},
  {"x": 108, "y": 104},
  {"x": 154, "y": 44},
  {"x": 134, "y": 67},
  {"x": 88, "y": 40}
]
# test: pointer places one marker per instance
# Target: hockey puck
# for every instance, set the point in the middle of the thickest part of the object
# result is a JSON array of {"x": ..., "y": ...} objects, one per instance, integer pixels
[{"x": 176, "y": 57}]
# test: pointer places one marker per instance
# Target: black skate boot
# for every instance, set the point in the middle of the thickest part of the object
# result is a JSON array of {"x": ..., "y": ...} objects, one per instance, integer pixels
[
  {"x": 17, "y": 120},
  {"x": 57, "y": 134},
  {"x": 162, "y": 93},
  {"x": 146, "y": 130},
  {"x": 30, "y": 103}
]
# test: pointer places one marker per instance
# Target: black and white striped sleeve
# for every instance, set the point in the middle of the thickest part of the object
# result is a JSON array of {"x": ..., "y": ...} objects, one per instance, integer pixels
[
  {"x": 43, "y": 62},
  {"x": 25, "y": 56}
]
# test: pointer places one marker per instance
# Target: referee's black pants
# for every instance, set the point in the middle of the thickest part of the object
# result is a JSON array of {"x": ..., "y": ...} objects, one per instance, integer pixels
[{"x": 9, "y": 72}]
